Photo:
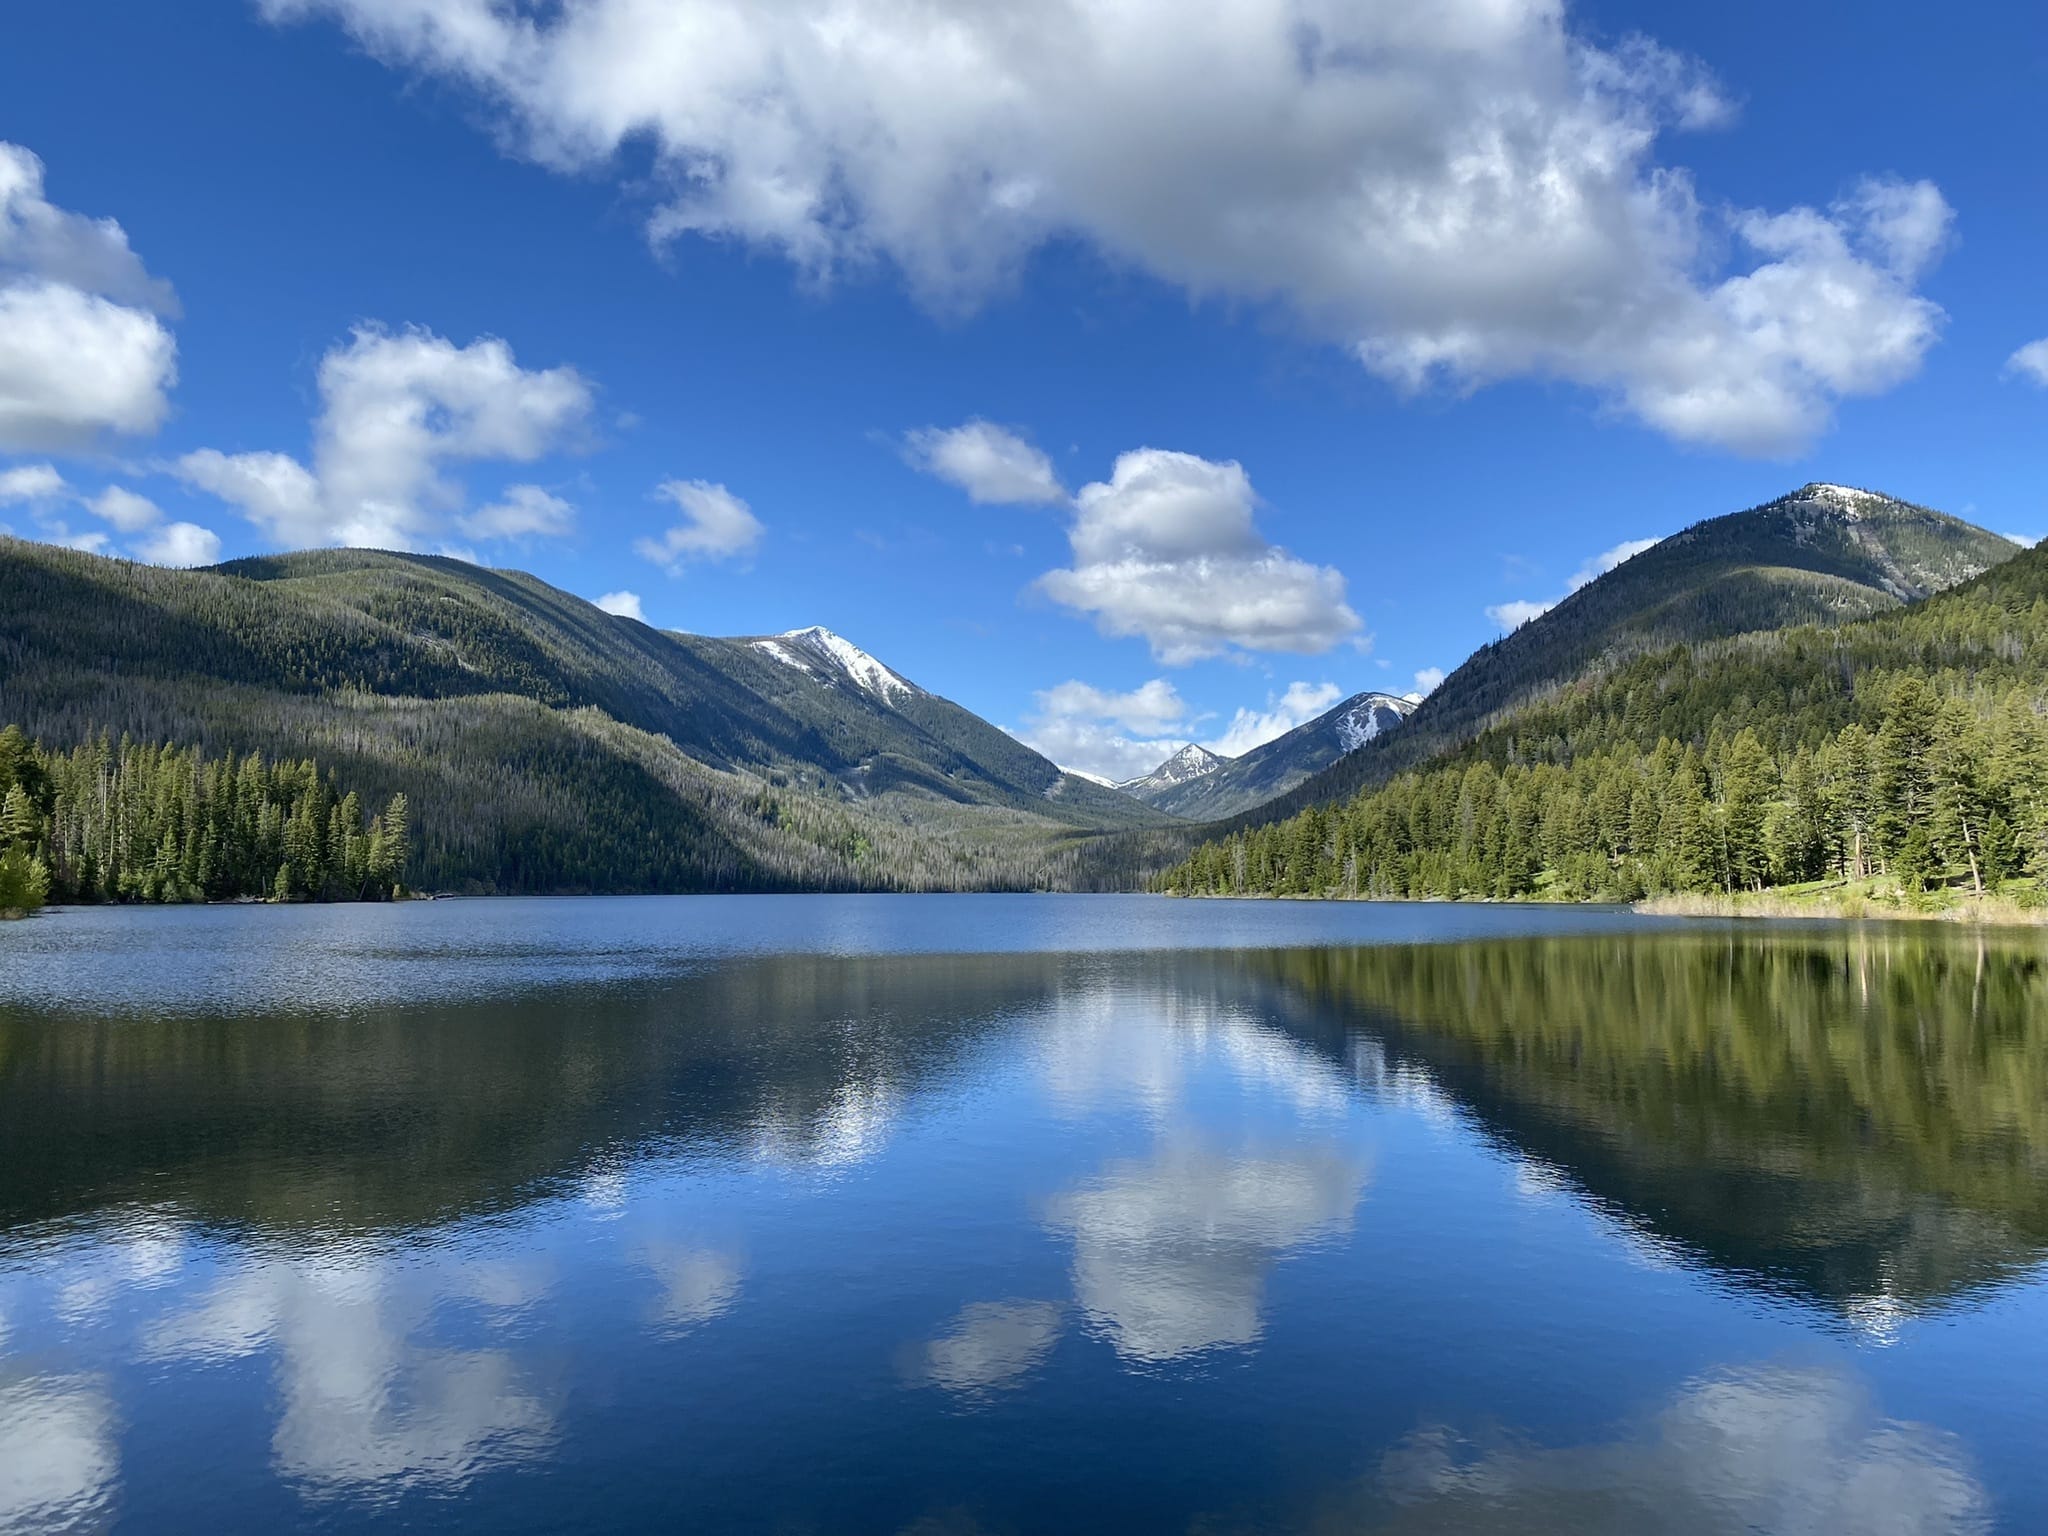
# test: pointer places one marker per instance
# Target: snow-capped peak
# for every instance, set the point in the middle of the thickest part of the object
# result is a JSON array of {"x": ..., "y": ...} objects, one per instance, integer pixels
[
  {"x": 817, "y": 650},
  {"x": 1360, "y": 718},
  {"x": 1845, "y": 499},
  {"x": 1191, "y": 762}
]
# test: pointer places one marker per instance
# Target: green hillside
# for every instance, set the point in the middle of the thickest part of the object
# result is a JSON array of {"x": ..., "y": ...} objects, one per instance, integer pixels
[
  {"x": 1823, "y": 555},
  {"x": 543, "y": 744},
  {"x": 1905, "y": 754}
]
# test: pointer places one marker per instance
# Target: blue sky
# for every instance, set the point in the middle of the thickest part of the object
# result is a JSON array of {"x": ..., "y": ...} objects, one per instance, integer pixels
[{"x": 1305, "y": 338}]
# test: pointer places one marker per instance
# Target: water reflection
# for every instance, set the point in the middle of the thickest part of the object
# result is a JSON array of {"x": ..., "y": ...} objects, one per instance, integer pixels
[
  {"x": 1787, "y": 1451},
  {"x": 696, "y": 1284},
  {"x": 1171, "y": 1251},
  {"x": 991, "y": 1345},
  {"x": 916, "y": 1226},
  {"x": 59, "y": 1466},
  {"x": 1858, "y": 1119},
  {"x": 370, "y": 1394}
]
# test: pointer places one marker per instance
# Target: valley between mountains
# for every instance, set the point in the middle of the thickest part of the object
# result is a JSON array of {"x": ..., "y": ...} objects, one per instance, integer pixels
[{"x": 545, "y": 745}]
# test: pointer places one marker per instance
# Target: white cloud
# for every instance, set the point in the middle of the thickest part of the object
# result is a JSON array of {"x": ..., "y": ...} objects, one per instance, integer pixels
[
  {"x": 523, "y": 512},
  {"x": 180, "y": 544},
  {"x": 1122, "y": 736},
  {"x": 1108, "y": 735},
  {"x": 1166, "y": 550},
  {"x": 1610, "y": 559},
  {"x": 624, "y": 605},
  {"x": 2031, "y": 361},
  {"x": 716, "y": 525},
  {"x": 1427, "y": 681},
  {"x": 1250, "y": 728},
  {"x": 396, "y": 409},
  {"x": 993, "y": 465},
  {"x": 31, "y": 483},
  {"x": 83, "y": 351},
  {"x": 1155, "y": 705},
  {"x": 125, "y": 509},
  {"x": 1513, "y": 615},
  {"x": 2024, "y": 540},
  {"x": 1456, "y": 191}
]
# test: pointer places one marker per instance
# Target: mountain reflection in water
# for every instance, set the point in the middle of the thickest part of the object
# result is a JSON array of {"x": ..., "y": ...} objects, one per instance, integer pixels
[{"x": 1323, "y": 1238}]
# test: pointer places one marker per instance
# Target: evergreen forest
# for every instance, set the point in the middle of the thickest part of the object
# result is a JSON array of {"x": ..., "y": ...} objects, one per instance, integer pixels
[
  {"x": 1907, "y": 752},
  {"x": 128, "y": 822}
]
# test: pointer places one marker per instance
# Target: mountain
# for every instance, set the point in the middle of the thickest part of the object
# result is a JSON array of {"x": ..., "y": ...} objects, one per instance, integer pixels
[
  {"x": 1897, "y": 763},
  {"x": 1823, "y": 555},
  {"x": 1232, "y": 786},
  {"x": 544, "y": 744},
  {"x": 1191, "y": 762}
]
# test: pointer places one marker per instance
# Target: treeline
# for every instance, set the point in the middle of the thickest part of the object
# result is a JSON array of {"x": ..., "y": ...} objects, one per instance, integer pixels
[
  {"x": 136, "y": 822},
  {"x": 1910, "y": 748}
]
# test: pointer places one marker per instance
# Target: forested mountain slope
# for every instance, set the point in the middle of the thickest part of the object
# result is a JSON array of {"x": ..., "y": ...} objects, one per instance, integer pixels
[
  {"x": 1823, "y": 555},
  {"x": 1910, "y": 748},
  {"x": 544, "y": 744}
]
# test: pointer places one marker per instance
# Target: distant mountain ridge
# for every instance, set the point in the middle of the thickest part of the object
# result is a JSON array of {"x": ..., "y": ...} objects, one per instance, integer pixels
[{"x": 1201, "y": 785}]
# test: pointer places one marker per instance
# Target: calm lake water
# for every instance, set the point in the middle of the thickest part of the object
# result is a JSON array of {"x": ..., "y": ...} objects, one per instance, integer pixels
[{"x": 1017, "y": 1215}]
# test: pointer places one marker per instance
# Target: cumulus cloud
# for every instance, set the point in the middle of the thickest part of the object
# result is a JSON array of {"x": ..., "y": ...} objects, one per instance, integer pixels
[
  {"x": 1608, "y": 560},
  {"x": 83, "y": 348},
  {"x": 1151, "y": 706},
  {"x": 1122, "y": 736},
  {"x": 125, "y": 509},
  {"x": 1166, "y": 550},
  {"x": 716, "y": 525},
  {"x": 1517, "y": 613},
  {"x": 128, "y": 512},
  {"x": 180, "y": 544},
  {"x": 1105, "y": 734},
  {"x": 1456, "y": 193},
  {"x": 396, "y": 409},
  {"x": 31, "y": 483},
  {"x": 523, "y": 512},
  {"x": 2031, "y": 362},
  {"x": 1513, "y": 615},
  {"x": 1427, "y": 681},
  {"x": 92, "y": 541},
  {"x": 1250, "y": 728},
  {"x": 993, "y": 465},
  {"x": 624, "y": 605},
  {"x": 2024, "y": 540}
]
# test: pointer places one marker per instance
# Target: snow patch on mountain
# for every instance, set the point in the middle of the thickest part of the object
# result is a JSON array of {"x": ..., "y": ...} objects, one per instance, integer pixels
[
  {"x": 1845, "y": 500},
  {"x": 1191, "y": 762},
  {"x": 1367, "y": 716},
  {"x": 1092, "y": 778},
  {"x": 819, "y": 652}
]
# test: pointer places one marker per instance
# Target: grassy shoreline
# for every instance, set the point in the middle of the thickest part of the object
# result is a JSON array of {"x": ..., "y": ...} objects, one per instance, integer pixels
[{"x": 1857, "y": 900}]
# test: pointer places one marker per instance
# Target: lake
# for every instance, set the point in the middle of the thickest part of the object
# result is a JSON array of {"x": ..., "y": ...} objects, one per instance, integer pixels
[{"x": 946, "y": 1215}]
